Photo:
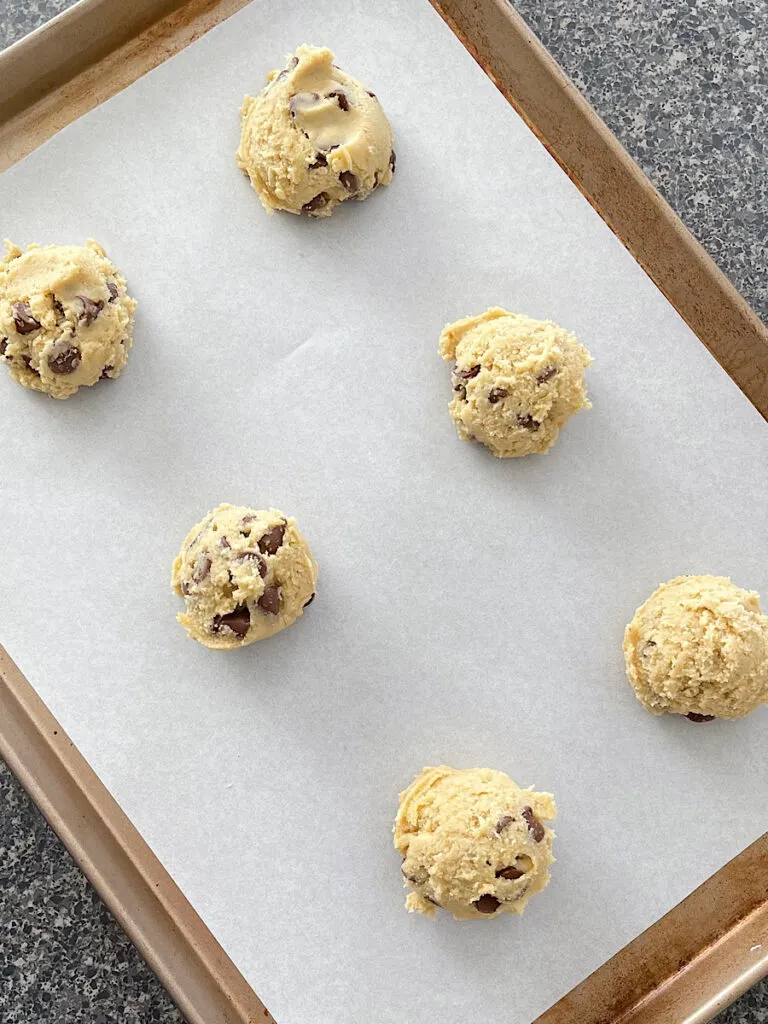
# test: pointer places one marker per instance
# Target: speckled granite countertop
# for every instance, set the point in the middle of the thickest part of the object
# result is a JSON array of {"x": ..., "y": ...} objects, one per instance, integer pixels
[{"x": 684, "y": 85}]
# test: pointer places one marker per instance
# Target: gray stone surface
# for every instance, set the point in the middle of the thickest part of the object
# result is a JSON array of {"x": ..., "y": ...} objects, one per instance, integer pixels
[{"x": 684, "y": 85}]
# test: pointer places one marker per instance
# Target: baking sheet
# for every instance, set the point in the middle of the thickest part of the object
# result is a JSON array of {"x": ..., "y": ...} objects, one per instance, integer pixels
[{"x": 469, "y": 610}]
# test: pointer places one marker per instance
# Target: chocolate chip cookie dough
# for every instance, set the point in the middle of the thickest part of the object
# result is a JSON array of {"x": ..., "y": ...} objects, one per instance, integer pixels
[
  {"x": 66, "y": 320},
  {"x": 313, "y": 137},
  {"x": 473, "y": 842},
  {"x": 244, "y": 574},
  {"x": 699, "y": 647},
  {"x": 516, "y": 380}
]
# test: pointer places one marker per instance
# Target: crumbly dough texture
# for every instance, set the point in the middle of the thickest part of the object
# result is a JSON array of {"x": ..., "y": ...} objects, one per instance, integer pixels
[
  {"x": 244, "y": 574},
  {"x": 516, "y": 380},
  {"x": 699, "y": 647},
  {"x": 473, "y": 842},
  {"x": 314, "y": 137},
  {"x": 66, "y": 320}
]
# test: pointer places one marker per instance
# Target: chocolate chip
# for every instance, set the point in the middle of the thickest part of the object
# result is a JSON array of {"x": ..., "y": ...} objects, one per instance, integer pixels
[
  {"x": 415, "y": 879},
  {"x": 462, "y": 391},
  {"x": 372, "y": 94},
  {"x": 693, "y": 716},
  {"x": 309, "y": 602},
  {"x": 349, "y": 181},
  {"x": 429, "y": 899},
  {"x": 320, "y": 200},
  {"x": 23, "y": 319},
  {"x": 66, "y": 361},
  {"x": 534, "y": 825},
  {"x": 320, "y": 161},
  {"x": 105, "y": 373},
  {"x": 487, "y": 904},
  {"x": 340, "y": 97},
  {"x": 239, "y": 621},
  {"x": 224, "y": 544},
  {"x": 90, "y": 311},
  {"x": 392, "y": 161},
  {"x": 504, "y": 820},
  {"x": 511, "y": 873},
  {"x": 528, "y": 422},
  {"x": 496, "y": 394},
  {"x": 202, "y": 568},
  {"x": 3, "y": 346},
  {"x": 272, "y": 539},
  {"x": 646, "y": 648},
  {"x": 375, "y": 179},
  {"x": 544, "y": 376},
  {"x": 113, "y": 291},
  {"x": 185, "y": 588},
  {"x": 28, "y": 363},
  {"x": 269, "y": 601},
  {"x": 467, "y": 374},
  {"x": 250, "y": 555},
  {"x": 60, "y": 314}
]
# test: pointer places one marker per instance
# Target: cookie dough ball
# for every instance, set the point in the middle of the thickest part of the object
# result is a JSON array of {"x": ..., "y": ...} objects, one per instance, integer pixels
[
  {"x": 314, "y": 137},
  {"x": 699, "y": 647},
  {"x": 516, "y": 380},
  {"x": 66, "y": 320},
  {"x": 244, "y": 574},
  {"x": 473, "y": 842}
]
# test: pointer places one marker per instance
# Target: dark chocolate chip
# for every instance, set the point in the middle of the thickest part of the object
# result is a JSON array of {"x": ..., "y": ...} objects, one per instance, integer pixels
[
  {"x": 60, "y": 314},
  {"x": 272, "y": 539},
  {"x": 292, "y": 62},
  {"x": 28, "y": 363},
  {"x": 528, "y": 422},
  {"x": 90, "y": 311},
  {"x": 66, "y": 361},
  {"x": 693, "y": 716},
  {"x": 320, "y": 161},
  {"x": 544, "y": 376},
  {"x": 202, "y": 568},
  {"x": 340, "y": 97},
  {"x": 461, "y": 390},
  {"x": 467, "y": 374},
  {"x": 113, "y": 291},
  {"x": 239, "y": 621},
  {"x": 251, "y": 555},
  {"x": 269, "y": 601},
  {"x": 309, "y": 602},
  {"x": 23, "y": 319},
  {"x": 511, "y": 873},
  {"x": 496, "y": 394},
  {"x": 372, "y": 94},
  {"x": 224, "y": 544},
  {"x": 185, "y": 588},
  {"x": 487, "y": 904},
  {"x": 319, "y": 201},
  {"x": 534, "y": 825},
  {"x": 3, "y": 346},
  {"x": 349, "y": 181},
  {"x": 392, "y": 161},
  {"x": 504, "y": 820},
  {"x": 105, "y": 373}
]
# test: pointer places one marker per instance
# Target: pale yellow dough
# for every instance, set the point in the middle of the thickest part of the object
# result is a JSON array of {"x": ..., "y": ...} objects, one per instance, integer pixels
[
  {"x": 516, "y": 380},
  {"x": 244, "y": 574},
  {"x": 473, "y": 842},
  {"x": 699, "y": 647},
  {"x": 66, "y": 320},
  {"x": 314, "y": 137}
]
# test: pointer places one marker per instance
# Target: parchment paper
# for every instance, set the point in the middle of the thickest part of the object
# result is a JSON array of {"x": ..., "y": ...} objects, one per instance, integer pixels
[{"x": 469, "y": 611}]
